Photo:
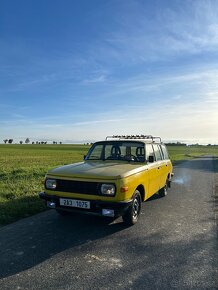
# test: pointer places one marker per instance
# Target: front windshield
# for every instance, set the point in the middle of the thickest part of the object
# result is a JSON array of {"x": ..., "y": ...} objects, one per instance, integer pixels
[{"x": 120, "y": 150}]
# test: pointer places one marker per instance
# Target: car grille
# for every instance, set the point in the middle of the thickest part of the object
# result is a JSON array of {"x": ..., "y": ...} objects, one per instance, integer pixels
[{"x": 77, "y": 186}]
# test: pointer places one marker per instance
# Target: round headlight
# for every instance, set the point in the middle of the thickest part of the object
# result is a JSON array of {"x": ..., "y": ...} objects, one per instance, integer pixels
[
  {"x": 108, "y": 189},
  {"x": 51, "y": 184}
]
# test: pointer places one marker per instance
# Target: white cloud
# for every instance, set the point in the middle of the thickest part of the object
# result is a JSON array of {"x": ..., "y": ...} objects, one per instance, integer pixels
[
  {"x": 181, "y": 102},
  {"x": 173, "y": 113},
  {"x": 187, "y": 28}
]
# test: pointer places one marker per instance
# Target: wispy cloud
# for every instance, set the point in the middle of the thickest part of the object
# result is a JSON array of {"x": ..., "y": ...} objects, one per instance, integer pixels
[
  {"x": 188, "y": 29},
  {"x": 150, "y": 61},
  {"x": 98, "y": 79}
]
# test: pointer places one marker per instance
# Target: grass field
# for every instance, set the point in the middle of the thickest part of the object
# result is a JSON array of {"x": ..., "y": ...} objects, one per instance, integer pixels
[{"x": 23, "y": 167}]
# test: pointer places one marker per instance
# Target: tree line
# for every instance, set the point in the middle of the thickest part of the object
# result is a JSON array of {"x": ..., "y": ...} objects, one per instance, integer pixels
[{"x": 27, "y": 141}]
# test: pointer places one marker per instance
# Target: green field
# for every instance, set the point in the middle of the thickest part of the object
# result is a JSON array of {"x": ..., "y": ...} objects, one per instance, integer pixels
[{"x": 23, "y": 167}]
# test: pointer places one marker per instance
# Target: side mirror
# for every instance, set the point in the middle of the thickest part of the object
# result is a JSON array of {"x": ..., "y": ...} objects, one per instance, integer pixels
[{"x": 151, "y": 159}]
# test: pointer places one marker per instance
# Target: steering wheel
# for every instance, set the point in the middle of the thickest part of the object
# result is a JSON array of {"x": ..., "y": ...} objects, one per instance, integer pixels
[{"x": 130, "y": 157}]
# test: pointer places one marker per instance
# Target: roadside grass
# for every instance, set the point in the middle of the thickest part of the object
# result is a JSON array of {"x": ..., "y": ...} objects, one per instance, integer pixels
[
  {"x": 23, "y": 167},
  {"x": 181, "y": 153},
  {"x": 22, "y": 171}
]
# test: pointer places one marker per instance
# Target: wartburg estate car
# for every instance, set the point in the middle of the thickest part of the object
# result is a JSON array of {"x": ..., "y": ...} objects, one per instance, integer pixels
[{"x": 116, "y": 176}]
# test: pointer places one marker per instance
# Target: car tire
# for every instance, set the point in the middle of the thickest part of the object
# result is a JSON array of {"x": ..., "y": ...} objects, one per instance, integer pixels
[
  {"x": 132, "y": 214},
  {"x": 163, "y": 191}
]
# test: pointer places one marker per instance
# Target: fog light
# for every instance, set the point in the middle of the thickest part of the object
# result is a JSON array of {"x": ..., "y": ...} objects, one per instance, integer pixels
[
  {"x": 51, "y": 204},
  {"x": 108, "y": 212}
]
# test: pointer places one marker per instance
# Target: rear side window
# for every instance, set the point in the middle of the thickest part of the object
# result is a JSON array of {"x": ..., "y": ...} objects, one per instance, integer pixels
[
  {"x": 157, "y": 152},
  {"x": 165, "y": 152},
  {"x": 149, "y": 151}
]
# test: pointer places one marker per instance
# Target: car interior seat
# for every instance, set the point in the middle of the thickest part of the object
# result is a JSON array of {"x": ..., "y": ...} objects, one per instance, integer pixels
[
  {"x": 140, "y": 154},
  {"x": 115, "y": 152}
]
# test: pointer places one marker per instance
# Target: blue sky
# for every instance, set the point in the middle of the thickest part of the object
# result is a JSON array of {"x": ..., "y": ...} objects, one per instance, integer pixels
[{"x": 81, "y": 70}]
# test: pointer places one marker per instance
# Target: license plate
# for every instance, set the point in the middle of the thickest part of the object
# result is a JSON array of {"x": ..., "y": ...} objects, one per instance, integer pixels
[{"x": 75, "y": 203}]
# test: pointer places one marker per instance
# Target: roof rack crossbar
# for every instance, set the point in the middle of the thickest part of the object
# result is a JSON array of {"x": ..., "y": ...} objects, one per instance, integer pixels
[{"x": 139, "y": 137}]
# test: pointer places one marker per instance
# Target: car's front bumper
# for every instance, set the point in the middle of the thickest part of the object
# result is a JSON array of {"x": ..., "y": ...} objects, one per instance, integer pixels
[{"x": 96, "y": 206}]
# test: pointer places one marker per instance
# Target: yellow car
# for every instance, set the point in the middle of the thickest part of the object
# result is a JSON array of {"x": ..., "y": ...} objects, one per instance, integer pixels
[{"x": 115, "y": 177}]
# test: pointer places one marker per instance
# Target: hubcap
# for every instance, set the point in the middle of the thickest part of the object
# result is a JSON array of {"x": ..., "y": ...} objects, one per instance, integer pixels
[
  {"x": 135, "y": 208},
  {"x": 165, "y": 190}
]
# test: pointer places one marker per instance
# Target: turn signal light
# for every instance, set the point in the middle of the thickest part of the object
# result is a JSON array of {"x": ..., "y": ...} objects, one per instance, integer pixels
[{"x": 124, "y": 189}]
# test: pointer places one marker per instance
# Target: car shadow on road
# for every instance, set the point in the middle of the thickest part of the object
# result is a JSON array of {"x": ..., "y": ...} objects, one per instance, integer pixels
[
  {"x": 31, "y": 241},
  {"x": 26, "y": 245}
]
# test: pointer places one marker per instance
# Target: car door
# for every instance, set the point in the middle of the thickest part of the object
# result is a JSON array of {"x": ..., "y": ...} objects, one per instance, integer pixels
[
  {"x": 153, "y": 171},
  {"x": 160, "y": 166},
  {"x": 166, "y": 163}
]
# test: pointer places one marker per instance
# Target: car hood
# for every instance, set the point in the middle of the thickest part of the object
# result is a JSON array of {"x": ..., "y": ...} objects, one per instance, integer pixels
[{"x": 99, "y": 170}]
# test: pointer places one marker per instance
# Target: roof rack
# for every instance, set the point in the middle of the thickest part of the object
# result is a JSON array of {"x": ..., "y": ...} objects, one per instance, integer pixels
[{"x": 137, "y": 137}]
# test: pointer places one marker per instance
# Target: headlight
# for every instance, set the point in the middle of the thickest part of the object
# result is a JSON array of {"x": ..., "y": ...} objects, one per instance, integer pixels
[
  {"x": 50, "y": 184},
  {"x": 108, "y": 189}
]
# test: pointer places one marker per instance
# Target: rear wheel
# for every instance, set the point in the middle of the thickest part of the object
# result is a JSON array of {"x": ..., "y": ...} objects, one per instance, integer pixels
[
  {"x": 132, "y": 214},
  {"x": 163, "y": 191}
]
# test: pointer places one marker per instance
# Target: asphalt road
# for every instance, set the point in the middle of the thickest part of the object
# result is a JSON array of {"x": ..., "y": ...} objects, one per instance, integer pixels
[{"x": 174, "y": 244}]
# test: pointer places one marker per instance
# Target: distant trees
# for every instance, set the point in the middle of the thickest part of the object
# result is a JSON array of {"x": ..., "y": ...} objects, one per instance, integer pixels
[
  {"x": 27, "y": 141},
  {"x": 9, "y": 141},
  {"x": 40, "y": 142},
  {"x": 176, "y": 144}
]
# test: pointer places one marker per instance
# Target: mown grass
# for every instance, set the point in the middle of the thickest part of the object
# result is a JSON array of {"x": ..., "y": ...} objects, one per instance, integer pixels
[
  {"x": 22, "y": 170},
  {"x": 180, "y": 153}
]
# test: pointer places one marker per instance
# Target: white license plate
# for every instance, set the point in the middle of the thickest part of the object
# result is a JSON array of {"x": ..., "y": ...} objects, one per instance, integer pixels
[{"x": 74, "y": 203}]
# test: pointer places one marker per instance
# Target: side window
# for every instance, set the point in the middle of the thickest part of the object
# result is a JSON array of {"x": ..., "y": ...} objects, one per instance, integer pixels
[
  {"x": 157, "y": 152},
  {"x": 164, "y": 151},
  {"x": 161, "y": 152},
  {"x": 149, "y": 151}
]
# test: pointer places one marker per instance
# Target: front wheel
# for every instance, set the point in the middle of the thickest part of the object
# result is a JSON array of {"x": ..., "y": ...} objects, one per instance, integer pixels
[{"x": 132, "y": 214}]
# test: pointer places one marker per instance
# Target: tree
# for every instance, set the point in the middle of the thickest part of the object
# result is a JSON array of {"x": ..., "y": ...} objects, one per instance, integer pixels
[
  {"x": 21, "y": 142},
  {"x": 5, "y": 141},
  {"x": 27, "y": 140},
  {"x": 10, "y": 141}
]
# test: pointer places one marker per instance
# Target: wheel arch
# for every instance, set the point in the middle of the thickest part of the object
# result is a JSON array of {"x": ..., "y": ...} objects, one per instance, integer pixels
[{"x": 141, "y": 189}]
